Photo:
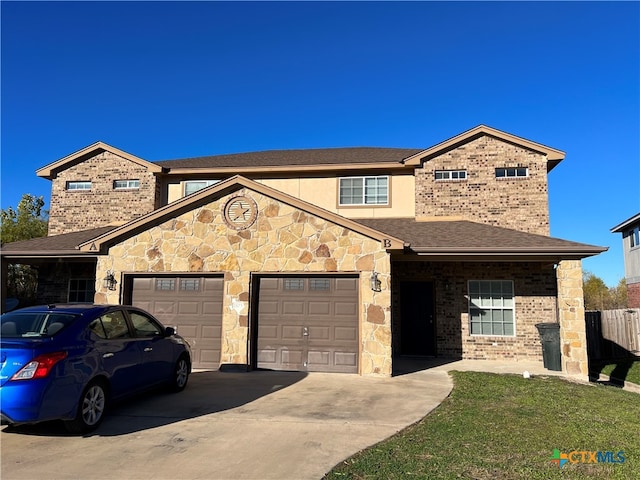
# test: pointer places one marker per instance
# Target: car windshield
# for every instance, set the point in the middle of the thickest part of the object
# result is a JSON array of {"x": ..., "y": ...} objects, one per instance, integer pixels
[{"x": 33, "y": 324}]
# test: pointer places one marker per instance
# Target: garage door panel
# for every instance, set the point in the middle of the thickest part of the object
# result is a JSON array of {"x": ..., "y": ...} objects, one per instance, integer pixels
[
  {"x": 211, "y": 332},
  {"x": 268, "y": 332},
  {"x": 345, "y": 359},
  {"x": 292, "y": 308},
  {"x": 324, "y": 307},
  {"x": 346, "y": 309},
  {"x": 319, "y": 308},
  {"x": 319, "y": 334},
  {"x": 290, "y": 357},
  {"x": 292, "y": 332},
  {"x": 347, "y": 334},
  {"x": 189, "y": 308},
  {"x": 211, "y": 308},
  {"x": 268, "y": 356},
  {"x": 269, "y": 307},
  {"x": 190, "y": 303},
  {"x": 346, "y": 286},
  {"x": 318, "y": 358},
  {"x": 267, "y": 284},
  {"x": 188, "y": 331}
]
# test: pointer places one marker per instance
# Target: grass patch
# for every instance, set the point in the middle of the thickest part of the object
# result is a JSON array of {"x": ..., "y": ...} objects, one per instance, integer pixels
[
  {"x": 506, "y": 427},
  {"x": 623, "y": 371}
]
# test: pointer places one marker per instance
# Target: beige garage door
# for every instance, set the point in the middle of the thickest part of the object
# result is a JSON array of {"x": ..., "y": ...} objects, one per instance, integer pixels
[
  {"x": 191, "y": 304},
  {"x": 308, "y": 324}
]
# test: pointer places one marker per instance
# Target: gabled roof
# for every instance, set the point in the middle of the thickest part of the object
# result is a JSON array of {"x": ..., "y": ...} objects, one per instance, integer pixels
[
  {"x": 553, "y": 156},
  {"x": 462, "y": 238},
  {"x": 50, "y": 171},
  {"x": 206, "y": 195},
  {"x": 626, "y": 224},
  {"x": 301, "y": 159}
]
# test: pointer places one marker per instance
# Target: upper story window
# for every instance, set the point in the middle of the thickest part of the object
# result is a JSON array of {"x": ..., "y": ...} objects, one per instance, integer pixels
[
  {"x": 364, "y": 190},
  {"x": 512, "y": 172},
  {"x": 192, "y": 186},
  {"x": 126, "y": 184},
  {"x": 634, "y": 237},
  {"x": 451, "y": 174},
  {"x": 78, "y": 186}
]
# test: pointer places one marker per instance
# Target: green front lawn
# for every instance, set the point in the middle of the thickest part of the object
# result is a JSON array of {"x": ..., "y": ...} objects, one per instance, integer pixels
[
  {"x": 626, "y": 371},
  {"x": 507, "y": 427}
]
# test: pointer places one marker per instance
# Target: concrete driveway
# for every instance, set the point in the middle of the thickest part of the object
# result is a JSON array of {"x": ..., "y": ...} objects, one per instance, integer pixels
[{"x": 255, "y": 425}]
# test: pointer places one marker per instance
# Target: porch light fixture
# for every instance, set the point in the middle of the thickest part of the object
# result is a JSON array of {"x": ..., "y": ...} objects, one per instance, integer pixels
[
  {"x": 375, "y": 283},
  {"x": 109, "y": 282}
]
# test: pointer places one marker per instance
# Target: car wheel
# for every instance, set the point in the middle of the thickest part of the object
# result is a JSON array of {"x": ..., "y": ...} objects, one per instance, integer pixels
[
  {"x": 91, "y": 408},
  {"x": 180, "y": 374}
]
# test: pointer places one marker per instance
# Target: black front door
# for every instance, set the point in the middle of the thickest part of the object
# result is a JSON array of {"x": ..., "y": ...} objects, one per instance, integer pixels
[{"x": 418, "y": 329}]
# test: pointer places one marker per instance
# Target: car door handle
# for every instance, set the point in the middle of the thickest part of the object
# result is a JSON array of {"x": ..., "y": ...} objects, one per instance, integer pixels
[
  {"x": 148, "y": 349},
  {"x": 107, "y": 355}
]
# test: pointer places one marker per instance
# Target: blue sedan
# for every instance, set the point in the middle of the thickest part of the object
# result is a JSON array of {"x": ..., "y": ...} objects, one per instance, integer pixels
[{"x": 68, "y": 362}]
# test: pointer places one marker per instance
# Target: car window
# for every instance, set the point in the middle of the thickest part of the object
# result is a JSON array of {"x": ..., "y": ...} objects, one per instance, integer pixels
[
  {"x": 144, "y": 326},
  {"x": 33, "y": 324},
  {"x": 115, "y": 325},
  {"x": 97, "y": 328}
]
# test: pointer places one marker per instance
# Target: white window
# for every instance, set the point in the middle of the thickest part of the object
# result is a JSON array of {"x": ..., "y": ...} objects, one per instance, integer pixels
[
  {"x": 81, "y": 290},
  {"x": 78, "y": 186},
  {"x": 491, "y": 307},
  {"x": 364, "y": 190},
  {"x": 126, "y": 184},
  {"x": 451, "y": 174},
  {"x": 192, "y": 186},
  {"x": 512, "y": 172}
]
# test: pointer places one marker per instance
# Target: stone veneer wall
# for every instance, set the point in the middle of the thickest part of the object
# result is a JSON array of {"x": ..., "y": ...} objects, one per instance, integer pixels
[
  {"x": 573, "y": 336},
  {"x": 283, "y": 239},
  {"x": 72, "y": 211},
  {"x": 516, "y": 203},
  {"x": 535, "y": 289}
]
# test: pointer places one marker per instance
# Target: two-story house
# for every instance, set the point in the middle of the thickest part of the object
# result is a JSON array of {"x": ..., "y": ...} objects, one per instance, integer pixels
[
  {"x": 630, "y": 230},
  {"x": 335, "y": 260}
]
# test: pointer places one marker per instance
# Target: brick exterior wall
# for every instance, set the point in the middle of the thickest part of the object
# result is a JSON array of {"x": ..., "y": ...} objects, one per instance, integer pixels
[
  {"x": 72, "y": 211},
  {"x": 535, "y": 289},
  {"x": 516, "y": 203},
  {"x": 633, "y": 295}
]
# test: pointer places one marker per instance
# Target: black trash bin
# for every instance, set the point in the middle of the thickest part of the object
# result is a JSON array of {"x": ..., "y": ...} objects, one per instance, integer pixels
[{"x": 550, "y": 337}]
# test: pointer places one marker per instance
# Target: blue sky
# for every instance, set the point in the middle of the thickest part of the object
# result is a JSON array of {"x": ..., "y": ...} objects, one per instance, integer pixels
[{"x": 165, "y": 80}]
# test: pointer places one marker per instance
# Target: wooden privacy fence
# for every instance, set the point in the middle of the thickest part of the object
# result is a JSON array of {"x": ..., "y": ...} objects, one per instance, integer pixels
[{"x": 613, "y": 334}]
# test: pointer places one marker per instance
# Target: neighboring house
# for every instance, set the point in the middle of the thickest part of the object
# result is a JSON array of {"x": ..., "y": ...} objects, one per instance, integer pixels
[
  {"x": 630, "y": 230},
  {"x": 335, "y": 260}
]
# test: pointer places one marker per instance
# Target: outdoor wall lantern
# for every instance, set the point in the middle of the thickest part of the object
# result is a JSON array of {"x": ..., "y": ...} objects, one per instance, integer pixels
[
  {"x": 376, "y": 284},
  {"x": 109, "y": 282}
]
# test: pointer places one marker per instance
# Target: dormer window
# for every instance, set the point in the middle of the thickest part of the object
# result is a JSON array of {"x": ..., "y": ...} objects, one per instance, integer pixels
[
  {"x": 78, "y": 186},
  {"x": 451, "y": 175},
  {"x": 512, "y": 172},
  {"x": 126, "y": 184},
  {"x": 364, "y": 190}
]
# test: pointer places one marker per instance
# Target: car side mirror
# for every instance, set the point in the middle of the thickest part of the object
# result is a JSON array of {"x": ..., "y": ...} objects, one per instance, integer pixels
[{"x": 168, "y": 331}]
